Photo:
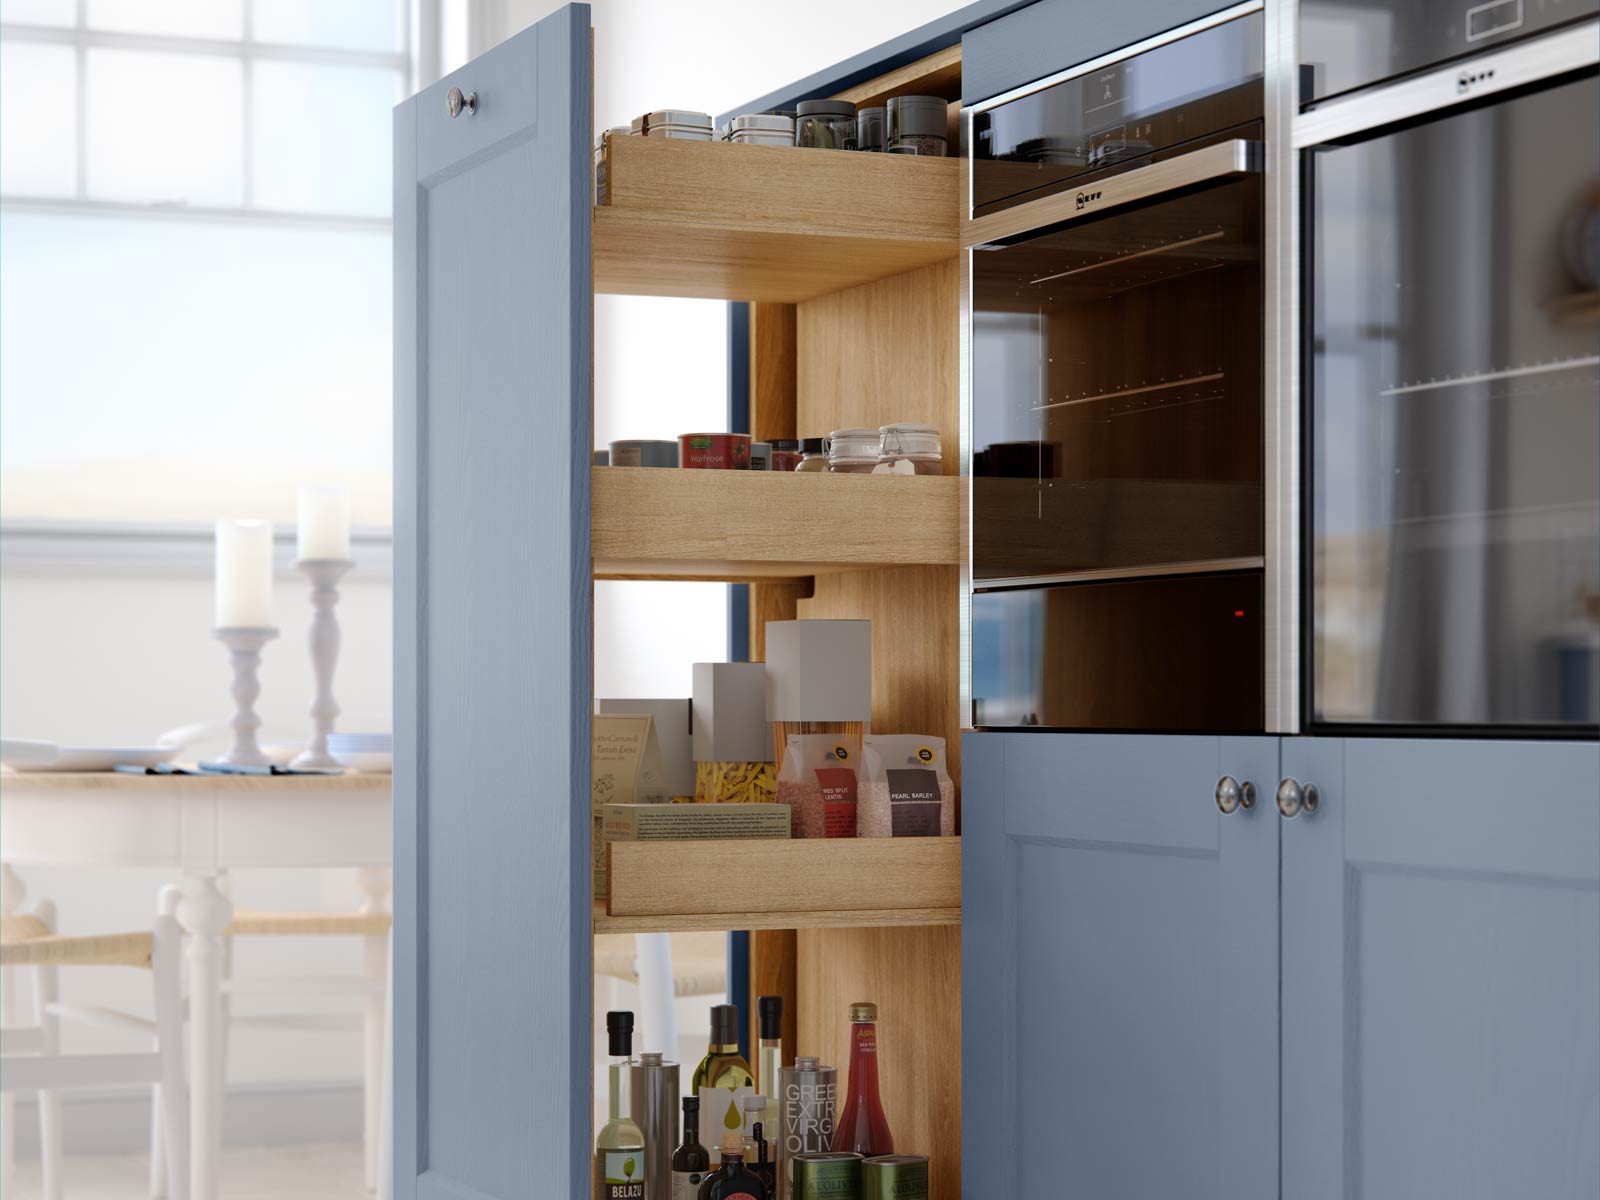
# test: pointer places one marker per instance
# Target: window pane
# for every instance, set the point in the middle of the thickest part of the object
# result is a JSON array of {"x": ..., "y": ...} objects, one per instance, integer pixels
[
  {"x": 165, "y": 127},
  {"x": 177, "y": 18},
  {"x": 38, "y": 140},
  {"x": 175, "y": 370},
  {"x": 348, "y": 24},
  {"x": 38, "y": 12},
  {"x": 323, "y": 137}
]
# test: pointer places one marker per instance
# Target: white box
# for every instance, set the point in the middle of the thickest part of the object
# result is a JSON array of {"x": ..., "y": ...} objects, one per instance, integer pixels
[
  {"x": 730, "y": 713},
  {"x": 819, "y": 670},
  {"x": 672, "y": 719}
]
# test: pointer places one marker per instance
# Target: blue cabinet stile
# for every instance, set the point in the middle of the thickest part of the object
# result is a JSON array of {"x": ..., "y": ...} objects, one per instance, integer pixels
[{"x": 492, "y": 620}]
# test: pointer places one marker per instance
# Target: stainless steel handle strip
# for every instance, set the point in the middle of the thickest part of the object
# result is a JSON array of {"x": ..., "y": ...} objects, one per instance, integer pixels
[
  {"x": 1221, "y": 161},
  {"x": 1295, "y": 798}
]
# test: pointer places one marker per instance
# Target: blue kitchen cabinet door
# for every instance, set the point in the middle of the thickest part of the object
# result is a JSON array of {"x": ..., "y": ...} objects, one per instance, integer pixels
[
  {"x": 492, "y": 625},
  {"x": 1441, "y": 971},
  {"x": 1119, "y": 968}
]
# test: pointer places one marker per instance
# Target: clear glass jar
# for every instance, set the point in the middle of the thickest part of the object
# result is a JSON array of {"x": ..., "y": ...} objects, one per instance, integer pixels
[
  {"x": 909, "y": 449},
  {"x": 813, "y": 455},
  {"x": 853, "y": 451},
  {"x": 825, "y": 125}
]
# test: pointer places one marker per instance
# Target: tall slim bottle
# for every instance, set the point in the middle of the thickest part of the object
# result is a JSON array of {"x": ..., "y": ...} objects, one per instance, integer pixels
[
  {"x": 619, "y": 1167},
  {"x": 723, "y": 1079},
  {"x": 862, "y": 1127},
  {"x": 769, "y": 1062},
  {"x": 691, "y": 1162}
]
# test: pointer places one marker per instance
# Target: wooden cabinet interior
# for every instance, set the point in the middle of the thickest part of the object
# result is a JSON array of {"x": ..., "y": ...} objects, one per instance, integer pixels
[{"x": 855, "y": 331}]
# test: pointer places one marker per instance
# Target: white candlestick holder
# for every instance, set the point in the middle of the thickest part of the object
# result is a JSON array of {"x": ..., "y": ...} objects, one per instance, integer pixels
[
  {"x": 244, "y": 648},
  {"x": 324, "y": 574}
]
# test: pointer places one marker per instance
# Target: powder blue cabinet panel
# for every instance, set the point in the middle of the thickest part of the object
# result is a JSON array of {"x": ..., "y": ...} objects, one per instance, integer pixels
[
  {"x": 1053, "y": 35},
  {"x": 492, "y": 676},
  {"x": 1120, "y": 968},
  {"x": 1441, "y": 971}
]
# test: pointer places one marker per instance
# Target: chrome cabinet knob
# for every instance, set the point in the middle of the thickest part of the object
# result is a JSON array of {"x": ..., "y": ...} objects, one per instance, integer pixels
[
  {"x": 1294, "y": 799},
  {"x": 1233, "y": 795},
  {"x": 454, "y": 102}
]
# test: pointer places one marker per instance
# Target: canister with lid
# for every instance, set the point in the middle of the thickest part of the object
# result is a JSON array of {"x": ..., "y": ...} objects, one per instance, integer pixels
[
  {"x": 895, "y": 1177},
  {"x": 644, "y": 454},
  {"x": 602, "y": 193},
  {"x": 674, "y": 123},
  {"x": 918, "y": 125},
  {"x": 833, "y": 1175},
  {"x": 909, "y": 449},
  {"x": 870, "y": 129},
  {"x": 785, "y": 453},
  {"x": 760, "y": 456},
  {"x": 813, "y": 455},
  {"x": 853, "y": 451},
  {"x": 826, "y": 125},
  {"x": 761, "y": 129}
]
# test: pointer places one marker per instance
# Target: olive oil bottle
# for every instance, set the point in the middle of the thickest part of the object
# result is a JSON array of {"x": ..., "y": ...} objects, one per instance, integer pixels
[
  {"x": 723, "y": 1079},
  {"x": 619, "y": 1167}
]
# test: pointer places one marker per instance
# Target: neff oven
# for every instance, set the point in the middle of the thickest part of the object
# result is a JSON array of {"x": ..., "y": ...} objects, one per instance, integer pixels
[
  {"x": 1116, "y": 383},
  {"x": 1452, "y": 371}
]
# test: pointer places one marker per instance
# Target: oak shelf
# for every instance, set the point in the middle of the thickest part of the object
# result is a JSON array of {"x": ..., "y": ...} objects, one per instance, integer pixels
[
  {"x": 663, "y": 887},
  {"x": 661, "y": 523},
  {"x": 727, "y": 221}
]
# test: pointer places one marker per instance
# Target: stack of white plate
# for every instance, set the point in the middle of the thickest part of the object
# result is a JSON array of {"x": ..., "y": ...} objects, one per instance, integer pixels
[{"x": 363, "y": 751}]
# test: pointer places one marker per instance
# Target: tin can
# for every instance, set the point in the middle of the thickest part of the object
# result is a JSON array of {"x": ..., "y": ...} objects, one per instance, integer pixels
[
  {"x": 835, "y": 1175},
  {"x": 760, "y": 456},
  {"x": 715, "y": 451},
  {"x": 655, "y": 1111},
  {"x": 895, "y": 1177},
  {"x": 644, "y": 454}
]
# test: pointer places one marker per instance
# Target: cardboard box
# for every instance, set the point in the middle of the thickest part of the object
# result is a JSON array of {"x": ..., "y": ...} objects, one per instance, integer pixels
[
  {"x": 730, "y": 713},
  {"x": 695, "y": 822},
  {"x": 673, "y": 719},
  {"x": 819, "y": 671}
]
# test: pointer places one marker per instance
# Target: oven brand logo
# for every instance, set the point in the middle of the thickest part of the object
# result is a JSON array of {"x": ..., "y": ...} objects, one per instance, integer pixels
[{"x": 1087, "y": 198}]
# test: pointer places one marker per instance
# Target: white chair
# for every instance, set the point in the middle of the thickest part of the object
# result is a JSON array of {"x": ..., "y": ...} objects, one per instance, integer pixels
[{"x": 30, "y": 1055}]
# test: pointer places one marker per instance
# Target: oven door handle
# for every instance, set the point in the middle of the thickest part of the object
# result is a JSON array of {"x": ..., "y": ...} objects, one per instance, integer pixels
[{"x": 1225, "y": 160}]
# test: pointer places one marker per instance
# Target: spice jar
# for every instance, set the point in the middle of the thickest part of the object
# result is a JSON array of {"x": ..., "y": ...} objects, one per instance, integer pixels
[
  {"x": 674, "y": 123},
  {"x": 826, "y": 125},
  {"x": 918, "y": 125},
  {"x": 853, "y": 451},
  {"x": 785, "y": 453},
  {"x": 870, "y": 129},
  {"x": 909, "y": 449},
  {"x": 813, "y": 455},
  {"x": 760, "y": 129}
]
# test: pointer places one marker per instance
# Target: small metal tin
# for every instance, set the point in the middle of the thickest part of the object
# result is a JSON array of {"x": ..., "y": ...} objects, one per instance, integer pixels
[
  {"x": 760, "y": 456},
  {"x": 644, "y": 454},
  {"x": 895, "y": 1177},
  {"x": 602, "y": 191},
  {"x": 674, "y": 123},
  {"x": 871, "y": 126},
  {"x": 771, "y": 128},
  {"x": 714, "y": 451},
  {"x": 831, "y": 1175}
]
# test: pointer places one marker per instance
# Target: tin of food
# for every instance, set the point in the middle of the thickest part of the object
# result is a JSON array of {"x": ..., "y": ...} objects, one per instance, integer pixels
[
  {"x": 895, "y": 1177},
  {"x": 760, "y": 456},
  {"x": 715, "y": 451},
  {"x": 761, "y": 129},
  {"x": 834, "y": 1175},
  {"x": 644, "y": 454},
  {"x": 674, "y": 123}
]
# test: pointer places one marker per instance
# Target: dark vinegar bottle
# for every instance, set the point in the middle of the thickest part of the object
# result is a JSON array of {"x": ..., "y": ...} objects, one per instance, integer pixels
[
  {"x": 691, "y": 1162},
  {"x": 862, "y": 1128},
  {"x": 733, "y": 1180}
]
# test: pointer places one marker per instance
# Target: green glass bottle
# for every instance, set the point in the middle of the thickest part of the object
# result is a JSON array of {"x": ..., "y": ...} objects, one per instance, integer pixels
[
  {"x": 723, "y": 1079},
  {"x": 619, "y": 1168}
]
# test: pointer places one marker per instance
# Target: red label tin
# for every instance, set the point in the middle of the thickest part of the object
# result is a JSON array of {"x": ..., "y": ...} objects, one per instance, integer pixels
[{"x": 715, "y": 451}]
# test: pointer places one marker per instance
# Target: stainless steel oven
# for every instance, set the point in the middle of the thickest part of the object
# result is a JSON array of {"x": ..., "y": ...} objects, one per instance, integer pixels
[
  {"x": 1452, "y": 370},
  {"x": 1116, "y": 387}
]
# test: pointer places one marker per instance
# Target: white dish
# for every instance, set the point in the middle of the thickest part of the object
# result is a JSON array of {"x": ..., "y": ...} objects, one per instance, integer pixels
[
  {"x": 372, "y": 762},
  {"x": 101, "y": 758}
]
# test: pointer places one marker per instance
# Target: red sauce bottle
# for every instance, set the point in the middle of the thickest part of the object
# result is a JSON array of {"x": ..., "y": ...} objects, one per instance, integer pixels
[{"x": 862, "y": 1128}]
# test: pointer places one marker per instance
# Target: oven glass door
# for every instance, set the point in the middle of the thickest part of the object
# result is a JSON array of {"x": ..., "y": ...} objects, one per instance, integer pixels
[
  {"x": 1454, "y": 305},
  {"x": 1116, "y": 388}
]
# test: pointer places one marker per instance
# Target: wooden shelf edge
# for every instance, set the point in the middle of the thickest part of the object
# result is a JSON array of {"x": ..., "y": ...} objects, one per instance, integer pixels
[{"x": 727, "y": 922}]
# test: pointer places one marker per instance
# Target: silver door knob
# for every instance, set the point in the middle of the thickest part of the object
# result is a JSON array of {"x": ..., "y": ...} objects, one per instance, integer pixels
[
  {"x": 454, "y": 101},
  {"x": 1294, "y": 799},
  {"x": 1233, "y": 795}
]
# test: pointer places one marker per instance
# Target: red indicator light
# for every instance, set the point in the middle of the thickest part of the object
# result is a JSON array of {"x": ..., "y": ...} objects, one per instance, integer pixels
[{"x": 1238, "y": 612}]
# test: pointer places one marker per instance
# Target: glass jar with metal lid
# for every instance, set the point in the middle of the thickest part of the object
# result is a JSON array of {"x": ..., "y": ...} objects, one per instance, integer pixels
[
  {"x": 870, "y": 129},
  {"x": 909, "y": 449},
  {"x": 825, "y": 125},
  {"x": 813, "y": 455},
  {"x": 853, "y": 451},
  {"x": 918, "y": 125}
]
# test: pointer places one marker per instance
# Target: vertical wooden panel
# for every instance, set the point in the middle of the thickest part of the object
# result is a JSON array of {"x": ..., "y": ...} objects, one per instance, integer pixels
[
  {"x": 772, "y": 371},
  {"x": 913, "y": 975},
  {"x": 773, "y": 602},
  {"x": 774, "y": 972},
  {"x": 883, "y": 352}
]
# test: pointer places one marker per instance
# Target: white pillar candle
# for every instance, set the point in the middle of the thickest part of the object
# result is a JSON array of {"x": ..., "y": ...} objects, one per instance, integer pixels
[
  {"x": 244, "y": 575},
  {"x": 324, "y": 523}
]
